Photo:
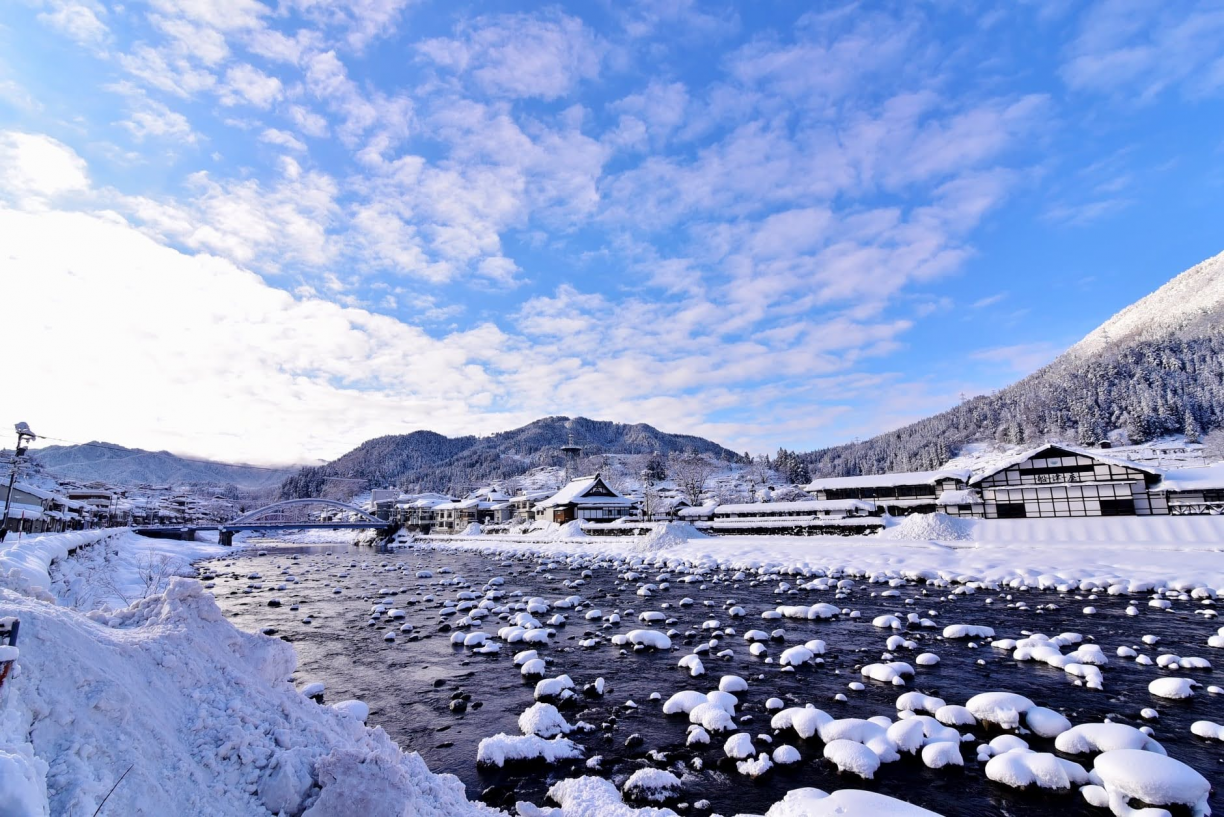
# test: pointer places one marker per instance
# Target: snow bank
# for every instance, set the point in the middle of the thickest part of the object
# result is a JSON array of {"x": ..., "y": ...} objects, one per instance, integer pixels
[
  {"x": 233, "y": 736},
  {"x": 25, "y": 561},
  {"x": 1133, "y": 551}
]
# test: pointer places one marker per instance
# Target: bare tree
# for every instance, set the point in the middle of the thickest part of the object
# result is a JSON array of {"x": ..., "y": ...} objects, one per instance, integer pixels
[
  {"x": 691, "y": 472},
  {"x": 153, "y": 573}
]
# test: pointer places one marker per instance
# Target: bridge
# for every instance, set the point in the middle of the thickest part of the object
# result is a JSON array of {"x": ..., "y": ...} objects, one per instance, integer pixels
[{"x": 258, "y": 520}]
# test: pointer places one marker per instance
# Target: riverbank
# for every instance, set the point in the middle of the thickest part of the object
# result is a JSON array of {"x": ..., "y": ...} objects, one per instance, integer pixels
[
  {"x": 1137, "y": 552},
  {"x": 174, "y": 708}
]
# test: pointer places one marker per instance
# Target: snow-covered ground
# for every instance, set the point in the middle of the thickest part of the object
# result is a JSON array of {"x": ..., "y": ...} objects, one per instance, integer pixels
[
  {"x": 1168, "y": 550},
  {"x": 180, "y": 712}
]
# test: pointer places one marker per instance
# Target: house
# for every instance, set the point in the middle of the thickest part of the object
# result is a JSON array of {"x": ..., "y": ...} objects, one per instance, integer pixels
[
  {"x": 523, "y": 505},
  {"x": 893, "y": 494},
  {"x": 1059, "y": 481},
  {"x": 800, "y": 517},
  {"x": 416, "y": 512},
  {"x": 1194, "y": 490},
  {"x": 585, "y": 498}
]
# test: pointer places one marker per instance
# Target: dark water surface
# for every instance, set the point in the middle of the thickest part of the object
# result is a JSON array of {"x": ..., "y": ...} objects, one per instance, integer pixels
[{"x": 409, "y": 684}]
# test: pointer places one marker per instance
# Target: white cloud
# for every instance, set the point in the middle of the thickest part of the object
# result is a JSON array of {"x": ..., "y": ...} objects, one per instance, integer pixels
[
  {"x": 283, "y": 138},
  {"x": 223, "y": 15},
  {"x": 360, "y": 21},
  {"x": 154, "y": 119},
  {"x": 194, "y": 354},
  {"x": 1021, "y": 358},
  {"x": 520, "y": 55},
  {"x": 79, "y": 20},
  {"x": 246, "y": 83},
  {"x": 166, "y": 70},
  {"x": 34, "y": 166},
  {"x": 268, "y": 225},
  {"x": 1140, "y": 49}
]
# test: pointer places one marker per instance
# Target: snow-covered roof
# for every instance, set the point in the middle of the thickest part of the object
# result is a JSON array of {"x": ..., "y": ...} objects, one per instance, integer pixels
[
  {"x": 41, "y": 493},
  {"x": 888, "y": 480},
  {"x": 798, "y": 507},
  {"x": 1207, "y": 478},
  {"x": 699, "y": 510},
  {"x": 459, "y": 505},
  {"x": 1016, "y": 459},
  {"x": 575, "y": 493},
  {"x": 966, "y": 497}
]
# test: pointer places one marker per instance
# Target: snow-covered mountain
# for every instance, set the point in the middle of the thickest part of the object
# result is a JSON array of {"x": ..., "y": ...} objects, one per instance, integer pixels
[
  {"x": 1156, "y": 368},
  {"x": 117, "y": 465},
  {"x": 1194, "y": 298},
  {"x": 427, "y": 461}
]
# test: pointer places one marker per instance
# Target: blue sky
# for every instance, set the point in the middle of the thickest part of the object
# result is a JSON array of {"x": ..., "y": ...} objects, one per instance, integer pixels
[{"x": 270, "y": 231}]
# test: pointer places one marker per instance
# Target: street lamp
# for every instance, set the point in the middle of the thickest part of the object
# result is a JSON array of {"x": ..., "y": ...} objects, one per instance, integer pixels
[{"x": 24, "y": 438}]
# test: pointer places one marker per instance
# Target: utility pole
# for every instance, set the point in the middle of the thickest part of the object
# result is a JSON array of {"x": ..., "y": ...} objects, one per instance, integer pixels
[{"x": 24, "y": 438}]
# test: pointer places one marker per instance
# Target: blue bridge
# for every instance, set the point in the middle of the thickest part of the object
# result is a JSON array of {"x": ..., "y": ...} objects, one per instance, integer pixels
[{"x": 272, "y": 518}]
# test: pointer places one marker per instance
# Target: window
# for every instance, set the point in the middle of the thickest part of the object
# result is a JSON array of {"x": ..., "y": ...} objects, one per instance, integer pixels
[
  {"x": 1010, "y": 510},
  {"x": 1117, "y": 507}
]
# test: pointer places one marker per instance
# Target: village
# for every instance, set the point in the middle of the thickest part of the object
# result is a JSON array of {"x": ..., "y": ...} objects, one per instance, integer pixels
[{"x": 1049, "y": 481}]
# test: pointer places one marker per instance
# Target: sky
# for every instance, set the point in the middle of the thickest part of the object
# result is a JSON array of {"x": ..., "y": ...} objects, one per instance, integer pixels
[{"x": 268, "y": 231}]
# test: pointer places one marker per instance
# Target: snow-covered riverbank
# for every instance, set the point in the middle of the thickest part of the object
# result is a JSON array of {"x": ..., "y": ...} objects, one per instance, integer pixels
[
  {"x": 174, "y": 707},
  {"x": 1174, "y": 551}
]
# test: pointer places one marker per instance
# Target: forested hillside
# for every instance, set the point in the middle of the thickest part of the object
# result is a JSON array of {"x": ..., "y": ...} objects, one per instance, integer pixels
[
  {"x": 1155, "y": 368},
  {"x": 426, "y": 461}
]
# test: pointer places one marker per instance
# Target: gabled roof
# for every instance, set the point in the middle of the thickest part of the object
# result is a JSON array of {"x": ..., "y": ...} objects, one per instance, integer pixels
[
  {"x": 575, "y": 493},
  {"x": 1207, "y": 478},
  {"x": 888, "y": 480},
  {"x": 1082, "y": 452}
]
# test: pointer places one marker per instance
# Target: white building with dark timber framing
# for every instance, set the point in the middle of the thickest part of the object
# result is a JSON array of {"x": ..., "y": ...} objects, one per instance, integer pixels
[{"x": 586, "y": 498}]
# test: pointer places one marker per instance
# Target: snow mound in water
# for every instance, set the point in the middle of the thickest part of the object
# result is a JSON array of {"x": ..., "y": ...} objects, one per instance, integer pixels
[
  {"x": 937, "y": 526},
  {"x": 809, "y": 802},
  {"x": 89, "y": 689},
  {"x": 668, "y": 535}
]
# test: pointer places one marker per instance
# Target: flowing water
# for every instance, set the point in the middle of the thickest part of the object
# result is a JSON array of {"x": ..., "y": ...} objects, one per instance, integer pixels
[{"x": 409, "y": 684}]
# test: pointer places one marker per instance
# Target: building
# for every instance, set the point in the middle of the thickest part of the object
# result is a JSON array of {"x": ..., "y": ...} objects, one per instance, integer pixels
[
  {"x": 1194, "y": 490},
  {"x": 37, "y": 510},
  {"x": 586, "y": 498},
  {"x": 1060, "y": 481},
  {"x": 416, "y": 512},
  {"x": 893, "y": 494},
  {"x": 801, "y": 517},
  {"x": 1049, "y": 481}
]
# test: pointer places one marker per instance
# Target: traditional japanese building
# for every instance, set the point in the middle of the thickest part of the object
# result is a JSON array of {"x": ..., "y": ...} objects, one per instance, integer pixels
[
  {"x": 586, "y": 498},
  {"x": 894, "y": 494},
  {"x": 1060, "y": 481}
]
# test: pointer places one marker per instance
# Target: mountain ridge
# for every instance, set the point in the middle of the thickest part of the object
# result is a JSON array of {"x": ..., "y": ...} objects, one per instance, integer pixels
[
  {"x": 1156, "y": 367},
  {"x": 121, "y": 465},
  {"x": 428, "y": 461}
]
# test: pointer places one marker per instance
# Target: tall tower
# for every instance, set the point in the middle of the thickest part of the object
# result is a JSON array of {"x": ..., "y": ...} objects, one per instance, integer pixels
[{"x": 571, "y": 452}]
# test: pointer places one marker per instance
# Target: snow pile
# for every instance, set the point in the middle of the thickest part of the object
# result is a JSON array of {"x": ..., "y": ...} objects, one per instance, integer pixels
[
  {"x": 588, "y": 797},
  {"x": 473, "y": 529},
  {"x": 1155, "y": 779},
  {"x": 816, "y": 803},
  {"x": 502, "y": 748},
  {"x": 233, "y": 736},
  {"x": 654, "y": 785},
  {"x": 931, "y": 526},
  {"x": 669, "y": 535}
]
